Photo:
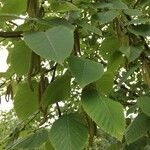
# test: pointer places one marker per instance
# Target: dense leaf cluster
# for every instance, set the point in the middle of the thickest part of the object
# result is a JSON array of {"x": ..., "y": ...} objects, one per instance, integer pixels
[{"x": 78, "y": 72}]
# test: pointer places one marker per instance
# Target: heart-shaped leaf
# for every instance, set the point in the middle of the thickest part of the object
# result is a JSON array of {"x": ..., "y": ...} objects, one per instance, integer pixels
[
  {"x": 55, "y": 44},
  {"x": 68, "y": 133},
  {"x": 107, "y": 113},
  {"x": 85, "y": 71}
]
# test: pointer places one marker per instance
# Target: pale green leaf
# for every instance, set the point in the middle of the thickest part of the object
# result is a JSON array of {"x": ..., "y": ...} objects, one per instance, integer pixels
[
  {"x": 144, "y": 103},
  {"x": 68, "y": 133},
  {"x": 137, "y": 128},
  {"x": 13, "y": 6},
  {"x": 85, "y": 71},
  {"x": 133, "y": 12},
  {"x": 25, "y": 101},
  {"x": 8, "y": 17},
  {"x": 107, "y": 113},
  {"x": 55, "y": 44},
  {"x": 20, "y": 58}
]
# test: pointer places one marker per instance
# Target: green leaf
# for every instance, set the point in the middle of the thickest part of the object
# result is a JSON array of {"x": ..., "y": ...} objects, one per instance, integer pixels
[
  {"x": 116, "y": 146},
  {"x": 143, "y": 30},
  {"x": 48, "y": 146},
  {"x": 144, "y": 103},
  {"x": 105, "y": 83},
  {"x": 140, "y": 144},
  {"x": 133, "y": 12},
  {"x": 25, "y": 101},
  {"x": 116, "y": 60},
  {"x": 144, "y": 3},
  {"x": 13, "y": 6},
  {"x": 137, "y": 128},
  {"x": 55, "y": 21},
  {"x": 113, "y": 4},
  {"x": 58, "y": 90},
  {"x": 140, "y": 21},
  {"x": 89, "y": 27},
  {"x": 129, "y": 72},
  {"x": 55, "y": 44},
  {"x": 107, "y": 16},
  {"x": 33, "y": 141},
  {"x": 131, "y": 52},
  {"x": 8, "y": 17},
  {"x": 68, "y": 133},
  {"x": 107, "y": 113},
  {"x": 85, "y": 71},
  {"x": 109, "y": 46},
  {"x": 20, "y": 58},
  {"x": 63, "y": 6},
  {"x": 132, "y": 109}
]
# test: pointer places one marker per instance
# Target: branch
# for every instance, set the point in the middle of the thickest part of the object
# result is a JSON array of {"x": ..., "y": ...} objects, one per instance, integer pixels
[
  {"x": 53, "y": 77},
  {"x": 11, "y": 34}
]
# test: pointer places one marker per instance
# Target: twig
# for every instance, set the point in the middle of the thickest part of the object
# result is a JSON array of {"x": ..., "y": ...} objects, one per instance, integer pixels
[
  {"x": 58, "y": 108},
  {"x": 11, "y": 34},
  {"x": 53, "y": 77}
]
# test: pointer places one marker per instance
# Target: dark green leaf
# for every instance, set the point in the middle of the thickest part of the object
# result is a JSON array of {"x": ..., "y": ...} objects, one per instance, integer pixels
[
  {"x": 58, "y": 90},
  {"x": 137, "y": 128},
  {"x": 33, "y": 141},
  {"x": 131, "y": 52},
  {"x": 109, "y": 46},
  {"x": 68, "y": 133},
  {"x": 113, "y": 4},
  {"x": 105, "y": 83},
  {"x": 85, "y": 71},
  {"x": 128, "y": 73},
  {"x": 63, "y": 6},
  {"x": 143, "y": 30},
  {"x": 144, "y": 104},
  {"x": 88, "y": 27},
  {"x": 107, "y": 16},
  {"x": 104, "y": 111}
]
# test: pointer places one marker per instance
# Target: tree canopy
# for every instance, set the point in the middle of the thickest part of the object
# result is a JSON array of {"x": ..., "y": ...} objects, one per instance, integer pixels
[{"x": 78, "y": 74}]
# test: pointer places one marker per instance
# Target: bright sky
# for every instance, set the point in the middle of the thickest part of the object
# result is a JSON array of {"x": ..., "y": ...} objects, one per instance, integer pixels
[{"x": 4, "y": 106}]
